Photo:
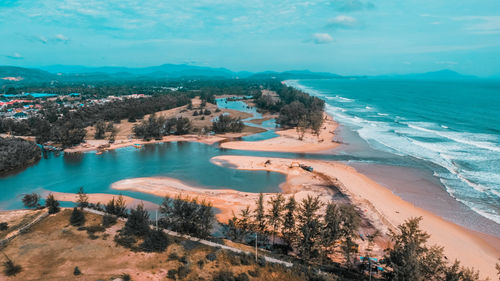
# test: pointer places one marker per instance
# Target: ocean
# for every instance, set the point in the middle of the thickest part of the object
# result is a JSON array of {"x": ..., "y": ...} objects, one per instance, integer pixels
[{"x": 451, "y": 127}]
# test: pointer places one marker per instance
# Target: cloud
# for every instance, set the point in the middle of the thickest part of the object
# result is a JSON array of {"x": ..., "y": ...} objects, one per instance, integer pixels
[
  {"x": 322, "y": 38},
  {"x": 58, "y": 38},
  {"x": 342, "y": 21},
  {"x": 351, "y": 5},
  {"x": 15, "y": 56},
  {"x": 61, "y": 38},
  {"x": 481, "y": 24}
]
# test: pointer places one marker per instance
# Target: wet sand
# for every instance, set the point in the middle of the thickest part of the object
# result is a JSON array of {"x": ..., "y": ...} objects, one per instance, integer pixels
[
  {"x": 388, "y": 210},
  {"x": 288, "y": 140}
]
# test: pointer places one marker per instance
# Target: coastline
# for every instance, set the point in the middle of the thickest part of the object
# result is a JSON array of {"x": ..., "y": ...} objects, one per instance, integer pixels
[
  {"x": 380, "y": 204},
  {"x": 288, "y": 141}
]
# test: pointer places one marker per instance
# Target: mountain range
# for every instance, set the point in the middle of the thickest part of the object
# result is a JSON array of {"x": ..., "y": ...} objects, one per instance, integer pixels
[{"x": 9, "y": 74}]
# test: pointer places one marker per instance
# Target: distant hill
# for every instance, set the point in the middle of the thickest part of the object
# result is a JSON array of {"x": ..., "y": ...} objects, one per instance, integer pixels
[
  {"x": 295, "y": 74},
  {"x": 444, "y": 74},
  {"x": 161, "y": 71},
  {"x": 24, "y": 74},
  {"x": 79, "y": 73}
]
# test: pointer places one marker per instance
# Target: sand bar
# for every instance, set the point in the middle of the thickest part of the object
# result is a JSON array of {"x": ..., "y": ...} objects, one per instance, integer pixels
[
  {"x": 478, "y": 250},
  {"x": 288, "y": 140}
]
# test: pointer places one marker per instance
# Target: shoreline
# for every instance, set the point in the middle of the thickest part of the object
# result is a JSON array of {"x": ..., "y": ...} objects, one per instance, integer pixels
[
  {"x": 288, "y": 141},
  {"x": 472, "y": 248}
]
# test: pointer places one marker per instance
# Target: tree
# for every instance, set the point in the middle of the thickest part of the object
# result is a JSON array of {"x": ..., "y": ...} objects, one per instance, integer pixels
[
  {"x": 138, "y": 222},
  {"x": 332, "y": 221},
  {"x": 155, "y": 241},
  {"x": 82, "y": 199},
  {"x": 52, "y": 204},
  {"x": 275, "y": 215},
  {"x": 31, "y": 200},
  {"x": 301, "y": 128},
  {"x": 315, "y": 121},
  {"x": 289, "y": 229},
  {"x": 10, "y": 268},
  {"x": 259, "y": 214},
  {"x": 76, "y": 271},
  {"x": 187, "y": 215},
  {"x": 309, "y": 227},
  {"x": 77, "y": 217},
  {"x": 120, "y": 207},
  {"x": 100, "y": 130},
  {"x": 404, "y": 258}
]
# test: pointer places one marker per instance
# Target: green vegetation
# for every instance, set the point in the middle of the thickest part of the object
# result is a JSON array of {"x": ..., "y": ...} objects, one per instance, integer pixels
[
  {"x": 225, "y": 124},
  {"x": 52, "y": 204},
  {"x": 157, "y": 127},
  {"x": 16, "y": 153},
  {"x": 31, "y": 200},
  {"x": 187, "y": 215},
  {"x": 77, "y": 217}
]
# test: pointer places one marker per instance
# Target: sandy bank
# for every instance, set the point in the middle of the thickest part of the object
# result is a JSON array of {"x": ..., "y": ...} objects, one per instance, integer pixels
[
  {"x": 472, "y": 249},
  {"x": 288, "y": 140}
]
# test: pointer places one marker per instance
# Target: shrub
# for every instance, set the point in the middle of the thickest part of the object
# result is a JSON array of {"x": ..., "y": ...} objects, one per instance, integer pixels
[
  {"x": 242, "y": 277},
  {"x": 77, "y": 217},
  {"x": 76, "y": 271},
  {"x": 10, "y": 268},
  {"x": 125, "y": 277},
  {"x": 183, "y": 271},
  {"x": 4, "y": 226},
  {"x": 52, "y": 204},
  {"x": 138, "y": 222},
  {"x": 126, "y": 241},
  {"x": 108, "y": 220},
  {"x": 254, "y": 273},
  {"x": 155, "y": 241},
  {"x": 173, "y": 256},
  {"x": 224, "y": 275},
  {"x": 31, "y": 200},
  {"x": 211, "y": 256},
  {"x": 171, "y": 274}
]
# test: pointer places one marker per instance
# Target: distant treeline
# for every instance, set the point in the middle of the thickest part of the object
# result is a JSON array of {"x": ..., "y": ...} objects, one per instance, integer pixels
[
  {"x": 16, "y": 153},
  {"x": 296, "y": 108}
]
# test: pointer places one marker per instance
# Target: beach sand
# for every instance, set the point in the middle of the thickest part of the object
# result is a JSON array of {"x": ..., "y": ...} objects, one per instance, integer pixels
[
  {"x": 387, "y": 210},
  {"x": 288, "y": 140}
]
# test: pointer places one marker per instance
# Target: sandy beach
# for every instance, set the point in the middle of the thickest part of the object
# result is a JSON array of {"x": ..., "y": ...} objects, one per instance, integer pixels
[
  {"x": 480, "y": 251},
  {"x": 288, "y": 140}
]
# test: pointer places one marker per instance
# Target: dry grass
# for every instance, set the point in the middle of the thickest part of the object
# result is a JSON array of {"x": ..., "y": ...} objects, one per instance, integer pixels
[{"x": 52, "y": 249}]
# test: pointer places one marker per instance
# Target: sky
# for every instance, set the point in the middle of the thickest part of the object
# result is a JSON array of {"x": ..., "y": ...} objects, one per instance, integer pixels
[{"x": 348, "y": 37}]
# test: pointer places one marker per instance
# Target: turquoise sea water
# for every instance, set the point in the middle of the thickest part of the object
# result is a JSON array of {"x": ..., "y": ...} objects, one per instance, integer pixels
[{"x": 452, "y": 126}]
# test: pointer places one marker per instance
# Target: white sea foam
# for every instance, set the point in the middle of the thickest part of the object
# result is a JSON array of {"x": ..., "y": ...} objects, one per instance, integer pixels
[{"x": 466, "y": 157}]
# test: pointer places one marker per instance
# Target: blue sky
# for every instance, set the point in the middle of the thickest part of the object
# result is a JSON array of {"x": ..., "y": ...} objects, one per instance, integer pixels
[{"x": 341, "y": 36}]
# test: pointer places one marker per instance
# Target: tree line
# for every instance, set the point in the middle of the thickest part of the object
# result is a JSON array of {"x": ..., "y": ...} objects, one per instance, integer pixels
[{"x": 17, "y": 153}]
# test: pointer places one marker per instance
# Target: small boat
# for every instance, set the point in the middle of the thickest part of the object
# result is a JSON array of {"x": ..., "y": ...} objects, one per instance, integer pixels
[
  {"x": 99, "y": 152},
  {"x": 138, "y": 145}
]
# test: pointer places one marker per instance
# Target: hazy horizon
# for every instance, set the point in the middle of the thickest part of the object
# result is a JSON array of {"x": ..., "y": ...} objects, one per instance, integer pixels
[{"x": 348, "y": 37}]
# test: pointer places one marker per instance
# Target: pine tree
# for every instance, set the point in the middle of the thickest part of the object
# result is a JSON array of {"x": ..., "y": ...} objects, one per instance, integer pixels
[
  {"x": 138, "y": 222},
  {"x": 52, "y": 204},
  {"x": 31, "y": 200},
  {"x": 82, "y": 198},
  {"x": 120, "y": 207},
  {"x": 260, "y": 216},
  {"x": 309, "y": 227},
  {"x": 77, "y": 217},
  {"x": 289, "y": 229},
  {"x": 275, "y": 214}
]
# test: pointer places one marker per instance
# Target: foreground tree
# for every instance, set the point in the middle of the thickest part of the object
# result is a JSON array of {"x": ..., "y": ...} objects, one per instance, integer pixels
[
  {"x": 82, "y": 199},
  {"x": 52, "y": 204},
  {"x": 259, "y": 214},
  {"x": 77, "y": 217},
  {"x": 289, "y": 229},
  {"x": 155, "y": 241},
  {"x": 138, "y": 222},
  {"x": 275, "y": 214},
  {"x": 31, "y": 200},
  {"x": 309, "y": 227},
  {"x": 187, "y": 215},
  {"x": 9, "y": 267}
]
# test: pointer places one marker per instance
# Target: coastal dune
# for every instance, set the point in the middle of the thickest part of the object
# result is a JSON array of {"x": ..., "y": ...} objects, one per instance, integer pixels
[{"x": 476, "y": 250}]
